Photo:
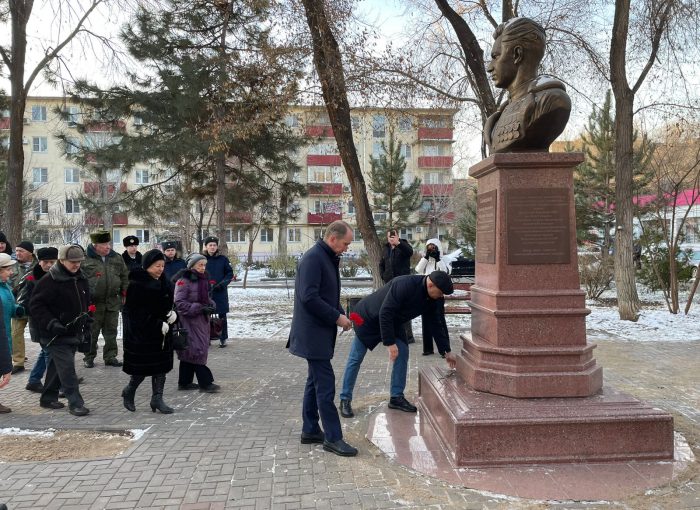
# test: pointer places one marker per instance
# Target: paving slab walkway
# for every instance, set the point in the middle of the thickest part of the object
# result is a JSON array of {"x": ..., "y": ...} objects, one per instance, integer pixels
[{"x": 240, "y": 448}]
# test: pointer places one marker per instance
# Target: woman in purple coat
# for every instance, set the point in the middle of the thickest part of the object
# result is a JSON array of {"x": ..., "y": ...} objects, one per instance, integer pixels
[{"x": 194, "y": 306}]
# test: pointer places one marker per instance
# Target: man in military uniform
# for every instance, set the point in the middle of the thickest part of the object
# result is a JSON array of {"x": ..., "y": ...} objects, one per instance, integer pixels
[
  {"x": 108, "y": 278},
  {"x": 173, "y": 263},
  {"x": 132, "y": 256},
  {"x": 26, "y": 261}
]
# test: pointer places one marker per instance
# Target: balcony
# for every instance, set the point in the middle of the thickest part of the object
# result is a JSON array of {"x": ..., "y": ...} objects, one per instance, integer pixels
[
  {"x": 435, "y": 162},
  {"x": 239, "y": 217},
  {"x": 93, "y": 187},
  {"x": 100, "y": 126},
  {"x": 118, "y": 219},
  {"x": 320, "y": 131},
  {"x": 325, "y": 188},
  {"x": 5, "y": 123},
  {"x": 323, "y": 218},
  {"x": 323, "y": 160},
  {"x": 430, "y": 215},
  {"x": 436, "y": 190},
  {"x": 425, "y": 133}
]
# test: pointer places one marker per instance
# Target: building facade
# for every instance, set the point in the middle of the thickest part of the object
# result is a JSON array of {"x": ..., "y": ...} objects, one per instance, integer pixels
[{"x": 54, "y": 185}]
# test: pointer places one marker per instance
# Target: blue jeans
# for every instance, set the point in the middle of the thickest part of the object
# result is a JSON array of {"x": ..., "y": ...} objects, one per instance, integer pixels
[
  {"x": 352, "y": 368},
  {"x": 39, "y": 367}
]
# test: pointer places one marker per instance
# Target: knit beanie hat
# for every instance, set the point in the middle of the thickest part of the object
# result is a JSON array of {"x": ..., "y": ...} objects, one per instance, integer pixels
[
  {"x": 193, "y": 258},
  {"x": 27, "y": 245},
  {"x": 151, "y": 257}
]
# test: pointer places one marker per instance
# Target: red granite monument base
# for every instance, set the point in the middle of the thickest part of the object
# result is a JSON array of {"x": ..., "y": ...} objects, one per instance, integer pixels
[{"x": 484, "y": 429}]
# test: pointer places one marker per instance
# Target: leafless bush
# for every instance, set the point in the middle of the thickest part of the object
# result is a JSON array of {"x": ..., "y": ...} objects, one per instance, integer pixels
[{"x": 596, "y": 274}]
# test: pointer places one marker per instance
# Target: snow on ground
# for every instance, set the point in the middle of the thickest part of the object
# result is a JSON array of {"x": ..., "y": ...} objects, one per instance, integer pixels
[{"x": 267, "y": 312}]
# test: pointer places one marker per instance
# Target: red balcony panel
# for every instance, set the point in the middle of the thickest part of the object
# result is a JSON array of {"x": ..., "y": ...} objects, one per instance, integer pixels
[
  {"x": 239, "y": 217},
  {"x": 435, "y": 162},
  {"x": 323, "y": 218},
  {"x": 93, "y": 187},
  {"x": 436, "y": 190},
  {"x": 118, "y": 219},
  {"x": 425, "y": 133},
  {"x": 5, "y": 123},
  {"x": 320, "y": 131},
  {"x": 323, "y": 160},
  {"x": 449, "y": 217},
  {"x": 325, "y": 188}
]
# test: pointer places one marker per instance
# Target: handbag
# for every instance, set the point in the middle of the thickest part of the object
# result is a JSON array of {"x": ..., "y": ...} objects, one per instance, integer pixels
[
  {"x": 179, "y": 337},
  {"x": 216, "y": 326},
  {"x": 85, "y": 339}
]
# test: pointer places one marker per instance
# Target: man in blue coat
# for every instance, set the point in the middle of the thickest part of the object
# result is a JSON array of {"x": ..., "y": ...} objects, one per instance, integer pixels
[
  {"x": 383, "y": 314},
  {"x": 221, "y": 274},
  {"x": 173, "y": 263},
  {"x": 317, "y": 316}
]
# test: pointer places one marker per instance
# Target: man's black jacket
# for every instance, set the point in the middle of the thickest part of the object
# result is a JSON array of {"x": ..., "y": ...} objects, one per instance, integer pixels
[
  {"x": 402, "y": 299},
  {"x": 395, "y": 262}
]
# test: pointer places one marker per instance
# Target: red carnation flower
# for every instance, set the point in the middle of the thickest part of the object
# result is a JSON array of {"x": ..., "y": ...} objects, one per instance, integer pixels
[
  {"x": 98, "y": 274},
  {"x": 212, "y": 282},
  {"x": 180, "y": 283},
  {"x": 92, "y": 308},
  {"x": 30, "y": 278},
  {"x": 356, "y": 319}
]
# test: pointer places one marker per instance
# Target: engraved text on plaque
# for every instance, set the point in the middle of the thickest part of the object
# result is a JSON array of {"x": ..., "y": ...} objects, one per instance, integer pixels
[{"x": 486, "y": 227}]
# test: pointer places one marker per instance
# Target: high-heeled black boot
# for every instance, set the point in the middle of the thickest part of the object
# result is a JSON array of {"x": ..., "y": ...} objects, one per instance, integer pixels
[
  {"x": 158, "y": 383},
  {"x": 129, "y": 392}
]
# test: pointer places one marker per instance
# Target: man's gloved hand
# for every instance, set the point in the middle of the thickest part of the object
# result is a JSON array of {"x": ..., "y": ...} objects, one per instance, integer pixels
[
  {"x": 427, "y": 255},
  {"x": 208, "y": 310},
  {"x": 20, "y": 312},
  {"x": 171, "y": 317},
  {"x": 56, "y": 328},
  {"x": 436, "y": 255},
  {"x": 219, "y": 286},
  {"x": 164, "y": 328}
]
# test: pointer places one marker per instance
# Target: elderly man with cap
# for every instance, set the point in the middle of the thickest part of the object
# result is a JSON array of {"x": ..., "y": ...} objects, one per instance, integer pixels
[
  {"x": 47, "y": 258},
  {"x": 132, "y": 256},
  {"x": 379, "y": 318},
  {"x": 59, "y": 310},
  {"x": 221, "y": 273},
  {"x": 173, "y": 263},
  {"x": 24, "y": 254},
  {"x": 108, "y": 278}
]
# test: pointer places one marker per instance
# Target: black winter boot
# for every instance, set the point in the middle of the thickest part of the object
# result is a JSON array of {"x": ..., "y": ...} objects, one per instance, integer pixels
[
  {"x": 129, "y": 392},
  {"x": 158, "y": 382}
]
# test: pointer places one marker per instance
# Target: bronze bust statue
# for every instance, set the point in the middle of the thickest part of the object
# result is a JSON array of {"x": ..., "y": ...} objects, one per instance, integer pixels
[{"x": 538, "y": 106}]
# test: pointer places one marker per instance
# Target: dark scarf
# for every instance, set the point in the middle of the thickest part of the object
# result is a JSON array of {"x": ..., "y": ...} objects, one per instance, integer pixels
[{"x": 202, "y": 286}]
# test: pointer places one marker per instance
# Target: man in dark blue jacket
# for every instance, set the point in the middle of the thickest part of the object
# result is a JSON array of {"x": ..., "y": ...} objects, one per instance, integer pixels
[
  {"x": 173, "y": 263},
  {"x": 317, "y": 316},
  {"x": 221, "y": 273},
  {"x": 383, "y": 314}
]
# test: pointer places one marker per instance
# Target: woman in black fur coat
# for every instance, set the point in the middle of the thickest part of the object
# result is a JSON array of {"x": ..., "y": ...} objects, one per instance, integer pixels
[{"x": 148, "y": 315}]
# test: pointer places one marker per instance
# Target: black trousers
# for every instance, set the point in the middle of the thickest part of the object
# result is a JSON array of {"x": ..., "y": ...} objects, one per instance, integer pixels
[
  {"x": 61, "y": 374},
  {"x": 319, "y": 396},
  {"x": 427, "y": 331},
  {"x": 188, "y": 370}
]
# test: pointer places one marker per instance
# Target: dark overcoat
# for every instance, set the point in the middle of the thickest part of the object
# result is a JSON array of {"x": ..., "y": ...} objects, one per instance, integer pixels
[
  {"x": 24, "y": 296},
  {"x": 221, "y": 272},
  {"x": 172, "y": 267},
  {"x": 386, "y": 310},
  {"x": 60, "y": 296},
  {"x": 395, "y": 262},
  {"x": 316, "y": 304},
  {"x": 189, "y": 308},
  {"x": 134, "y": 263},
  {"x": 146, "y": 350}
]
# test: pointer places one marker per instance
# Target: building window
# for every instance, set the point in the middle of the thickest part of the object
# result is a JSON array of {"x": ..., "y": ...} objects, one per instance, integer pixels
[
  {"x": 41, "y": 206},
  {"x": 691, "y": 228},
  {"x": 40, "y": 176},
  {"x": 318, "y": 233},
  {"x": 72, "y": 206},
  {"x": 379, "y": 217},
  {"x": 324, "y": 149},
  {"x": 357, "y": 234},
  {"x": 40, "y": 144},
  {"x": 266, "y": 235},
  {"x": 355, "y": 122},
  {"x": 426, "y": 206},
  {"x": 322, "y": 119},
  {"x": 235, "y": 235},
  {"x": 377, "y": 150},
  {"x": 138, "y": 121},
  {"x": 116, "y": 233},
  {"x": 405, "y": 124},
  {"x": 72, "y": 175},
  {"x": 435, "y": 122},
  {"x": 436, "y": 178},
  {"x": 407, "y": 234},
  {"x": 351, "y": 207},
  {"x": 72, "y": 145},
  {"x": 436, "y": 150},
  {"x": 72, "y": 112},
  {"x": 405, "y": 151},
  {"x": 41, "y": 237},
  {"x": 321, "y": 174},
  {"x": 39, "y": 113},
  {"x": 144, "y": 235},
  {"x": 291, "y": 121},
  {"x": 378, "y": 126},
  {"x": 293, "y": 235},
  {"x": 142, "y": 176},
  {"x": 114, "y": 175}
]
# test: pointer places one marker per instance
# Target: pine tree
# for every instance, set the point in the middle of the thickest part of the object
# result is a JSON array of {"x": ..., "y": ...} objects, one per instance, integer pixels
[
  {"x": 210, "y": 109},
  {"x": 391, "y": 196}
]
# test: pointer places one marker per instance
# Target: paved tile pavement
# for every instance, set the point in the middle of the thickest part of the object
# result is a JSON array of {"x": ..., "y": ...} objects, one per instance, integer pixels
[{"x": 240, "y": 448}]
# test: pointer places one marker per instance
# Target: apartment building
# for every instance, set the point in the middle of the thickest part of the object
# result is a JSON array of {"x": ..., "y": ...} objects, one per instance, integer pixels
[{"x": 54, "y": 183}]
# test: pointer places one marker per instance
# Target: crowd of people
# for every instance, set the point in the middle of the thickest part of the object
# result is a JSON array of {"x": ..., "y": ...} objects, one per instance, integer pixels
[{"x": 69, "y": 296}]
